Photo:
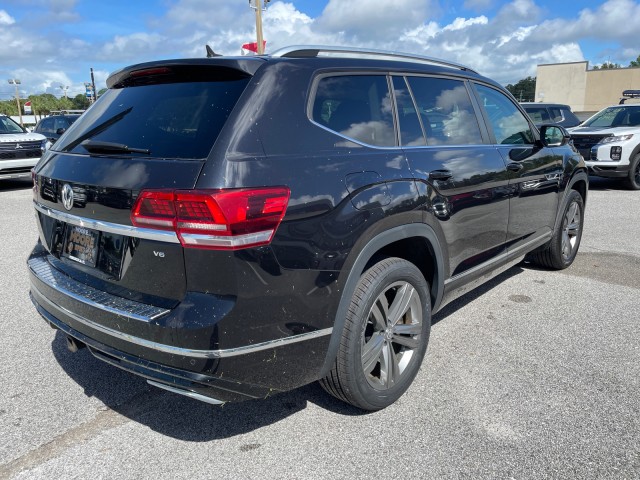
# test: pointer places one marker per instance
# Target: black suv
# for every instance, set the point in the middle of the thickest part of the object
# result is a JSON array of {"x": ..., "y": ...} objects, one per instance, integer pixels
[
  {"x": 551, "y": 113},
  {"x": 232, "y": 227},
  {"x": 56, "y": 124}
]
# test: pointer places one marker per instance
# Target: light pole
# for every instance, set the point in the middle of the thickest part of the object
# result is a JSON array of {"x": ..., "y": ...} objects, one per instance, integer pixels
[
  {"x": 256, "y": 5},
  {"x": 64, "y": 89},
  {"x": 16, "y": 82}
]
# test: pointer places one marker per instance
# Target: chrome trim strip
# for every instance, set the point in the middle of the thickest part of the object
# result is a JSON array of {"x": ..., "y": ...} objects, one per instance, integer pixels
[
  {"x": 201, "y": 240},
  {"x": 187, "y": 352},
  {"x": 116, "y": 228},
  {"x": 47, "y": 274},
  {"x": 515, "y": 252},
  {"x": 186, "y": 393}
]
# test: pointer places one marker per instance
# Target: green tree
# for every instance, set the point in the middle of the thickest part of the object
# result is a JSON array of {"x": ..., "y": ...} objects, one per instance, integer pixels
[
  {"x": 524, "y": 90},
  {"x": 80, "y": 102},
  {"x": 635, "y": 63},
  {"x": 607, "y": 66}
]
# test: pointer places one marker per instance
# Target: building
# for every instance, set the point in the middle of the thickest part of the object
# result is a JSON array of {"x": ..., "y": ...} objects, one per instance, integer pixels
[{"x": 582, "y": 89}]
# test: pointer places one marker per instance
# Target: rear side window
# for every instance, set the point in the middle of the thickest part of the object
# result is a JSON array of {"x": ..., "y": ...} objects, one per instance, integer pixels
[
  {"x": 508, "y": 123},
  {"x": 410, "y": 129},
  {"x": 538, "y": 114},
  {"x": 356, "y": 106},
  {"x": 179, "y": 119},
  {"x": 446, "y": 111}
]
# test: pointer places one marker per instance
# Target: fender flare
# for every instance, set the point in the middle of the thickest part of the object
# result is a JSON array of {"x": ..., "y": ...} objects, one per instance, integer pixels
[
  {"x": 370, "y": 249},
  {"x": 579, "y": 175}
]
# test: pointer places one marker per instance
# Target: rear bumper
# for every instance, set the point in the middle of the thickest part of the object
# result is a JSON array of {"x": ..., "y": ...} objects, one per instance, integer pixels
[{"x": 145, "y": 340}]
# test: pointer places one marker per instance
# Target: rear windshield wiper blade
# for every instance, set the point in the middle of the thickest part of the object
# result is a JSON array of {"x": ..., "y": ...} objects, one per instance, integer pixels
[{"x": 95, "y": 146}]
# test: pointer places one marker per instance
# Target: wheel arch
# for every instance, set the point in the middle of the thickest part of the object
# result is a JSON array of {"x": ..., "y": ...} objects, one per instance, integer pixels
[{"x": 416, "y": 243}]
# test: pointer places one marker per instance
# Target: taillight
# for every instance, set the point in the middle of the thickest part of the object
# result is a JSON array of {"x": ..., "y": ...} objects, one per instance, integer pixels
[{"x": 227, "y": 219}]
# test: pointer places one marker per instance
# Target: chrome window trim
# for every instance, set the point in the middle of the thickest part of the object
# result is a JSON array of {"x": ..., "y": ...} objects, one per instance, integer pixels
[{"x": 116, "y": 228}]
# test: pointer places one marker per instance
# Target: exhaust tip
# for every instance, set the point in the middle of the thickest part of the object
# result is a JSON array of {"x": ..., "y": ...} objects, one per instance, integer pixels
[
  {"x": 187, "y": 393},
  {"x": 74, "y": 345}
]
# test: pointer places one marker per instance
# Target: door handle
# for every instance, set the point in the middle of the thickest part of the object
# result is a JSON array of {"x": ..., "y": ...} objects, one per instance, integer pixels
[
  {"x": 514, "y": 166},
  {"x": 440, "y": 175}
]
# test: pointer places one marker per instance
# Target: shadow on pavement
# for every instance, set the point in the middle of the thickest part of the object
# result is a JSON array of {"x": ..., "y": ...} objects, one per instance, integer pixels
[
  {"x": 190, "y": 420},
  {"x": 180, "y": 417}
]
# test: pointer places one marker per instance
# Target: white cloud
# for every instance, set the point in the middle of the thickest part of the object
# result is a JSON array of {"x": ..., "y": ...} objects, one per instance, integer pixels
[{"x": 6, "y": 19}]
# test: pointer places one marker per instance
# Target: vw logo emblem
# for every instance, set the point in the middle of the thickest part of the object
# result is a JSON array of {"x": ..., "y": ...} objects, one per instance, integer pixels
[{"x": 67, "y": 196}]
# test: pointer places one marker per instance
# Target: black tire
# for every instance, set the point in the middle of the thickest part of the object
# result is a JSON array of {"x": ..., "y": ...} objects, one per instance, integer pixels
[
  {"x": 384, "y": 338},
  {"x": 633, "y": 180},
  {"x": 562, "y": 249}
]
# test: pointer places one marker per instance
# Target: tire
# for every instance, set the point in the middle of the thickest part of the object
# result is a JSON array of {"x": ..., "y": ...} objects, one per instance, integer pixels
[
  {"x": 562, "y": 249},
  {"x": 633, "y": 181},
  {"x": 384, "y": 338}
]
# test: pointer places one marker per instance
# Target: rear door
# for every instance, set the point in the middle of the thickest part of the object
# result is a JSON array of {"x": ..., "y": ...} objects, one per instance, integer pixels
[
  {"x": 463, "y": 175},
  {"x": 535, "y": 171}
]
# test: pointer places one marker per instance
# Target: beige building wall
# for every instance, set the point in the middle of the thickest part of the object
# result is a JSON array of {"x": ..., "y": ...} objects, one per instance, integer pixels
[
  {"x": 582, "y": 89},
  {"x": 562, "y": 83}
]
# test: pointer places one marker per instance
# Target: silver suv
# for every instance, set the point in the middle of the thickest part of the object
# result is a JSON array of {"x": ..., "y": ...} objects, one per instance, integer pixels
[
  {"x": 610, "y": 143},
  {"x": 19, "y": 150}
]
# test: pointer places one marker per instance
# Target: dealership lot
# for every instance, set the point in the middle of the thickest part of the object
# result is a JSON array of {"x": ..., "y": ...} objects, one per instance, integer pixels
[{"x": 537, "y": 377}]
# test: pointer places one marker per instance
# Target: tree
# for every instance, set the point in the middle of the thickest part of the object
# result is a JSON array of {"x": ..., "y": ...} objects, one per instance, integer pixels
[
  {"x": 524, "y": 90},
  {"x": 80, "y": 102},
  {"x": 607, "y": 66},
  {"x": 635, "y": 63}
]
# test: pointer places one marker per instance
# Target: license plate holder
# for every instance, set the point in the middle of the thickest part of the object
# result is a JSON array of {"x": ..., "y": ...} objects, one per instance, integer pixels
[{"x": 81, "y": 245}]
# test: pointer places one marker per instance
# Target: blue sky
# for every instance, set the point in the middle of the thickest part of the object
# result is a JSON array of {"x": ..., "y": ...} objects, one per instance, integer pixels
[{"x": 49, "y": 43}]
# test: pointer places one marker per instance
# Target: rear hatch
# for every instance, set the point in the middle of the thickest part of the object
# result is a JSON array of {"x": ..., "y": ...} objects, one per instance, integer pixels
[{"x": 153, "y": 129}]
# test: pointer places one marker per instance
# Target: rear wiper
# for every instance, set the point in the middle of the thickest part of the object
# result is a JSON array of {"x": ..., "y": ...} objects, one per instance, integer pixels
[{"x": 96, "y": 146}]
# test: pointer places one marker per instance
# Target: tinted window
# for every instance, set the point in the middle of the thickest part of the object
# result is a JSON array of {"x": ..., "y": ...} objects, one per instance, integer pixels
[
  {"x": 509, "y": 124},
  {"x": 172, "y": 120},
  {"x": 446, "y": 111},
  {"x": 356, "y": 106},
  {"x": 45, "y": 126},
  {"x": 556, "y": 114},
  {"x": 538, "y": 114},
  {"x": 411, "y": 134}
]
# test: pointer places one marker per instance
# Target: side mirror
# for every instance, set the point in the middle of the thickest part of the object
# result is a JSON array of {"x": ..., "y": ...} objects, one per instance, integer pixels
[{"x": 554, "y": 136}]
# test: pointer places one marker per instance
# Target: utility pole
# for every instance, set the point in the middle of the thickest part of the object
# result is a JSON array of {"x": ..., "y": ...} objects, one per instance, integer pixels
[
  {"x": 259, "y": 27},
  {"x": 257, "y": 5},
  {"x": 16, "y": 82},
  {"x": 93, "y": 87}
]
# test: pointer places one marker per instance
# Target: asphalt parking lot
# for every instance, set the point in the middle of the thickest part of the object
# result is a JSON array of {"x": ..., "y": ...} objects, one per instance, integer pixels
[{"x": 534, "y": 375}]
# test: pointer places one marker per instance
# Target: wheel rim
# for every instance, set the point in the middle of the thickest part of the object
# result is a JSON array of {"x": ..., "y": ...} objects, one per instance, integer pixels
[
  {"x": 571, "y": 230},
  {"x": 392, "y": 335},
  {"x": 637, "y": 173}
]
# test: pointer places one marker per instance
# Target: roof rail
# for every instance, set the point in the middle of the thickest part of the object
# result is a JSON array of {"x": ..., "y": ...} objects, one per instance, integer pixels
[{"x": 306, "y": 51}]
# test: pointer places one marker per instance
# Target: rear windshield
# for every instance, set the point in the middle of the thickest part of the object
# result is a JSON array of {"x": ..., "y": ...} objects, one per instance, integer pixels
[{"x": 162, "y": 120}]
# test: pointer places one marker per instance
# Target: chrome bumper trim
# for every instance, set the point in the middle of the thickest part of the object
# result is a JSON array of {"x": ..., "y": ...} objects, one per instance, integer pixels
[{"x": 116, "y": 228}]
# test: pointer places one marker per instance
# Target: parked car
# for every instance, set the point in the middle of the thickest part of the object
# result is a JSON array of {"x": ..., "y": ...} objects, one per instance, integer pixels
[
  {"x": 55, "y": 125},
  {"x": 610, "y": 143},
  {"x": 20, "y": 150},
  {"x": 551, "y": 113},
  {"x": 252, "y": 224}
]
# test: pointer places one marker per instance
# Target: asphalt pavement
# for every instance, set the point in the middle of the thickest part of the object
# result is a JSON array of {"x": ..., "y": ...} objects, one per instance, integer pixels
[{"x": 533, "y": 375}]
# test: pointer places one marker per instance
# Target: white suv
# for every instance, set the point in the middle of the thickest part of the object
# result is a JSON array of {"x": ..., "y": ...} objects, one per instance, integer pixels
[
  {"x": 19, "y": 150},
  {"x": 610, "y": 143}
]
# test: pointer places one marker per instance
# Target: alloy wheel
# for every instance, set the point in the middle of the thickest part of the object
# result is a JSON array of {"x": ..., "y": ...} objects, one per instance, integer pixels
[
  {"x": 391, "y": 335},
  {"x": 571, "y": 230}
]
